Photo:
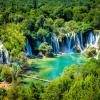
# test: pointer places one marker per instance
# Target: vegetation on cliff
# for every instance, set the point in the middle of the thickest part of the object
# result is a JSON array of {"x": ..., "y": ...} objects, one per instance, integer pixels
[{"x": 28, "y": 19}]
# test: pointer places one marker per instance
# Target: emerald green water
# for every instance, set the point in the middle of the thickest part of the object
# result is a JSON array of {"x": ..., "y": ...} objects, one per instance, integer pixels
[{"x": 54, "y": 68}]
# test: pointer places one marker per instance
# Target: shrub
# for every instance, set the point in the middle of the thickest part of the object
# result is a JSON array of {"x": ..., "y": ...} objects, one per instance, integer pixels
[
  {"x": 6, "y": 74},
  {"x": 21, "y": 59},
  {"x": 3, "y": 93},
  {"x": 90, "y": 52},
  {"x": 16, "y": 93}
]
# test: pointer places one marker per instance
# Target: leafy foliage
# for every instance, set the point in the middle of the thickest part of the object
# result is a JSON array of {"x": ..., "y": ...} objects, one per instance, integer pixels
[
  {"x": 45, "y": 47},
  {"x": 77, "y": 83},
  {"x": 12, "y": 38},
  {"x": 21, "y": 18},
  {"x": 6, "y": 73}
]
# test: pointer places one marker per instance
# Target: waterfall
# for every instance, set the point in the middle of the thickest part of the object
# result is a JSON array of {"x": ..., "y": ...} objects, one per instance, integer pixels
[
  {"x": 28, "y": 48},
  {"x": 6, "y": 54},
  {"x": 79, "y": 44},
  {"x": 91, "y": 39},
  {"x": 64, "y": 46},
  {"x": 44, "y": 39},
  {"x": 93, "y": 42},
  {"x": 71, "y": 42},
  {"x": 68, "y": 43},
  {"x": 81, "y": 41},
  {"x": 38, "y": 43},
  {"x": 55, "y": 43},
  {"x": 75, "y": 42}
]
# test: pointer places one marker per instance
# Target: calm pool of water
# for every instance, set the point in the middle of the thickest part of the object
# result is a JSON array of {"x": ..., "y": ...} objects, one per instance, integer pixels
[{"x": 54, "y": 68}]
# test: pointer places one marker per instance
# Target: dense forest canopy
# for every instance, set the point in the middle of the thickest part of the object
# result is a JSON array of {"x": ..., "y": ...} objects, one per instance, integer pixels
[
  {"x": 35, "y": 19},
  {"x": 29, "y": 21}
]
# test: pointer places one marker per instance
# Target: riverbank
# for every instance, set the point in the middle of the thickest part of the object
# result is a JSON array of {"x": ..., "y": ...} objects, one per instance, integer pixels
[
  {"x": 33, "y": 60},
  {"x": 5, "y": 85}
]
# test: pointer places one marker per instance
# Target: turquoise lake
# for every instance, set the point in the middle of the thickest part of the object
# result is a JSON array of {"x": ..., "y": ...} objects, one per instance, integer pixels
[{"x": 54, "y": 68}]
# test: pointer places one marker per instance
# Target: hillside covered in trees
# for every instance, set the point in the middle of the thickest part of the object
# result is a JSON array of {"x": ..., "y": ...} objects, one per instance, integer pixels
[
  {"x": 38, "y": 19},
  {"x": 40, "y": 29}
]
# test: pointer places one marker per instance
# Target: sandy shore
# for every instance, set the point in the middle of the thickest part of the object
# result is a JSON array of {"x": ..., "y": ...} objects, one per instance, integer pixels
[
  {"x": 4, "y": 85},
  {"x": 43, "y": 59},
  {"x": 40, "y": 60}
]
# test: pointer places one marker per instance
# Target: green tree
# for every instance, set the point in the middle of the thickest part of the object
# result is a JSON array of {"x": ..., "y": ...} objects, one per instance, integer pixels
[
  {"x": 16, "y": 93},
  {"x": 45, "y": 48},
  {"x": 42, "y": 32},
  {"x": 33, "y": 91},
  {"x": 67, "y": 14},
  {"x": 71, "y": 27},
  {"x": 13, "y": 39},
  {"x": 6, "y": 74}
]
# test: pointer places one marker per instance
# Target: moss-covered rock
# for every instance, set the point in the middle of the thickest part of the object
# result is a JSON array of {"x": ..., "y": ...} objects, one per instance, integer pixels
[
  {"x": 90, "y": 52},
  {"x": 77, "y": 49},
  {"x": 50, "y": 55}
]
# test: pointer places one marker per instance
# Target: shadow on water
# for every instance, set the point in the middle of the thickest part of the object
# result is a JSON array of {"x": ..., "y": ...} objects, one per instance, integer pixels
[
  {"x": 32, "y": 68},
  {"x": 53, "y": 69}
]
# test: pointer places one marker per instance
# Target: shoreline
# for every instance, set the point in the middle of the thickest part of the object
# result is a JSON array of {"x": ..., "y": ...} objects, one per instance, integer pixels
[{"x": 31, "y": 60}]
